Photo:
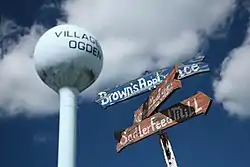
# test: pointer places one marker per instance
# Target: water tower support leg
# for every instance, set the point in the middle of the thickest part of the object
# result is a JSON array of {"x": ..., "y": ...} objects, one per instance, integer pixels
[{"x": 67, "y": 128}]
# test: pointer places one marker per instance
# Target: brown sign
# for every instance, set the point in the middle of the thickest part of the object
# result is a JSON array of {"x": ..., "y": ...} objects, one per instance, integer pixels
[
  {"x": 191, "y": 107},
  {"x": 158, "y": 96}
]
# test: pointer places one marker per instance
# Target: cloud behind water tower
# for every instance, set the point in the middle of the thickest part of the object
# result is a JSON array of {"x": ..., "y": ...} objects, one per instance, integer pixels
[{"x": 143, "y": 36}]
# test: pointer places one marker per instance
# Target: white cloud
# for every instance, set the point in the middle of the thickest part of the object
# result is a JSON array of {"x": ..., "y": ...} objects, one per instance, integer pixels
[
  {"x": 232, "y": 88},
  {"x": 133, "y": 35},
  {"x": 21, "y": 90}
]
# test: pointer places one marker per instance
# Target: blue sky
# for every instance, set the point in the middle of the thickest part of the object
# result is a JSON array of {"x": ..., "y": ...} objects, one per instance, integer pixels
[{"x": 29, "y": 131}]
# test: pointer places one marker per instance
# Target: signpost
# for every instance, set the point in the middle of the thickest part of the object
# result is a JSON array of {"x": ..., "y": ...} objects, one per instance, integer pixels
[
  {"x": 176, "y": 114},
  {"x": 147, "y": 119}
]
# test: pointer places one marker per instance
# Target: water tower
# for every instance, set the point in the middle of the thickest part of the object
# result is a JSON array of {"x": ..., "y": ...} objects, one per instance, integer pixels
[{"x": 68, "y": 59}]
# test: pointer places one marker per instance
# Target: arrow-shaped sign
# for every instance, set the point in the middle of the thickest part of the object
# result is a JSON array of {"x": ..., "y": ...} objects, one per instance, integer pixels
[
  {"x": 191, "y": 107},
  {"x": 158, "y": 96}
]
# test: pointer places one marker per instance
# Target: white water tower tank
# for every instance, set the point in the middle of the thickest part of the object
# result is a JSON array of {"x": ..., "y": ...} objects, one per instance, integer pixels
[{"x": 68, "y": 55}]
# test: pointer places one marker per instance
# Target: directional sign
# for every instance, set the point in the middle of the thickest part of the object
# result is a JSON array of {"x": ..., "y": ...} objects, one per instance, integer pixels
[
  {"x": 146, "y": 83},
  {"x": 158, "y": 96},
  {"x": 191, "y": 107},
  {"x": 146, "y": 110}
]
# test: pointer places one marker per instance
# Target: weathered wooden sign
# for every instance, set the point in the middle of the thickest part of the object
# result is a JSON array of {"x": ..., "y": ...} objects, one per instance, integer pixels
[
  {"x": 158, "y": 96},
  {"x": 191, "y": 107}
]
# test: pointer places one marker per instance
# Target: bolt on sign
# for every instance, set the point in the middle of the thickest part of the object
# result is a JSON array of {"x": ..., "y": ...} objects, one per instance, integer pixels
[
  {"x": 191, "y": 107},
  {"x": 158, "y": 96}
]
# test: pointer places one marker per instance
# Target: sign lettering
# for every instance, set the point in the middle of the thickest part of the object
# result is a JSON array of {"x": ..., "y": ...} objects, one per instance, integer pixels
[
  {"x": 191, "y": 107},
  {"x": 146, "y": 83},
  {"x": 188, "y": 70}
]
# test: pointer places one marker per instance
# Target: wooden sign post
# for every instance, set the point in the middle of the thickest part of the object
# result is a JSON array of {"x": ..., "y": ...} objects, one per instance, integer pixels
[{"x": 149, "y": 121}]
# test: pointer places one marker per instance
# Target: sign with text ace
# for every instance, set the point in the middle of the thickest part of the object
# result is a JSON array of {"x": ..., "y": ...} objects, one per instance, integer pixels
[{"x": 191, "y": 107}]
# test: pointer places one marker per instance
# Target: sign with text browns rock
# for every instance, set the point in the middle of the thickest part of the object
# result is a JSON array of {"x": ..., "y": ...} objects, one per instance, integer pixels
[
  {"x": 158, "y": 96},
  {"x": 191, "y": 107}
]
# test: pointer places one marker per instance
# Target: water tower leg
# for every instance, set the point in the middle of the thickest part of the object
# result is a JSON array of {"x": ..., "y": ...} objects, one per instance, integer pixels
[
  {"x": 167, "y": 151},
  {"x": 67, "y": 128}
]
